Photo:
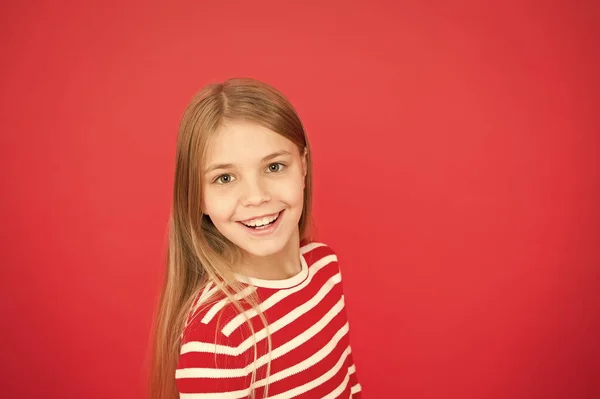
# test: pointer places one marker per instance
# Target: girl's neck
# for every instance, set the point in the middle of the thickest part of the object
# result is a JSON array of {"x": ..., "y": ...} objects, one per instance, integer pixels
[{"x": 279, "y": 266}]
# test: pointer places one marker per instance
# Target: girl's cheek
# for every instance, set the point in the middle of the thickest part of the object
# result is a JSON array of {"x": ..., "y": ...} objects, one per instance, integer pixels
[
  {"x": 293, "y": 191},
  {"x": 219, "y": 205}
]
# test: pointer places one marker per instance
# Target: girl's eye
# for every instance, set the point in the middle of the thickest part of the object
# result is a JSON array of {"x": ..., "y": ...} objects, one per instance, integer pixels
[
  {"x": 224, "y": 179},
  {"x": 276, "y": 167}
]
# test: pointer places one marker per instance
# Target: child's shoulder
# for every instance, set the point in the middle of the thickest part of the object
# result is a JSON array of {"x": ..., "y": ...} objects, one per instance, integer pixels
[
  {"x": 209, "y": 310},
  {"x": 315, "y": 251}
]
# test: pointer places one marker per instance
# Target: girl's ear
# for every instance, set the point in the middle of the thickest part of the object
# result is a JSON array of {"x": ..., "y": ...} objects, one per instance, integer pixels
[{"x": 304, "y": 162}]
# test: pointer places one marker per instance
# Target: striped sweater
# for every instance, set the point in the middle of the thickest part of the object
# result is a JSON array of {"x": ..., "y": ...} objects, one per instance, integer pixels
[{"x": 311, "y": 355}]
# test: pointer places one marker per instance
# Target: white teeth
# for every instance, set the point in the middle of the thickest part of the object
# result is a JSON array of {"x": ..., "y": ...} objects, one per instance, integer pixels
[{"x": 261, "y": 221}]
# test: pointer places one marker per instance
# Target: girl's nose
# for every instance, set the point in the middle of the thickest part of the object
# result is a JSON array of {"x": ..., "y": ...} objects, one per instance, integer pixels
[{"x": 255, "y": 193}]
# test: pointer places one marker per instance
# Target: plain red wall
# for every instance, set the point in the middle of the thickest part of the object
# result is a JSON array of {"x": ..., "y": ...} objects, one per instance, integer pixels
[{"x": 457, "y": 176}]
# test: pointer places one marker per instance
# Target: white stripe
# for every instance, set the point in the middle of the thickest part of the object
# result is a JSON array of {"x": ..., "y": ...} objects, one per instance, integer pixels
[
  {"x": 221, "y": 304},
  {"x": 278, "y": 296},
  {"x": 316, "y": 382},
  {"x": 351, "y": 369},
  {"x": 206, "y": 288},
  {"x": 197, "y": 372},
  {"x": 309, "y": 247},
  {"x": 194, "y": 346},
  {"x": 206, "y": 293},
  {"x": 340, "y": 388},
  {"x": 276, "y": 353}
]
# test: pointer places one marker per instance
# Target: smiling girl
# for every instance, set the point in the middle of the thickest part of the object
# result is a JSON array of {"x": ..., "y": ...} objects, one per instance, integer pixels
[{"x": 251, "y": 307}]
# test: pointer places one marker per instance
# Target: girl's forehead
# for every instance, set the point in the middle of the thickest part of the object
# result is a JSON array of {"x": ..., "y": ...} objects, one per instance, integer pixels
[{"x": 239, "y": 142}]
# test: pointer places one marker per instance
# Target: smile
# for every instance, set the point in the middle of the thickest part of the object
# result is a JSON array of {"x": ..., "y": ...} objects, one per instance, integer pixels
[
  {"x": 264, "y": 224},
  {"x": 261, "y": 221}
]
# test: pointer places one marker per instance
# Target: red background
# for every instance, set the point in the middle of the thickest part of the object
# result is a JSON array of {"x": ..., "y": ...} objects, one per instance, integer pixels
[{"x": 456, "y": 165}]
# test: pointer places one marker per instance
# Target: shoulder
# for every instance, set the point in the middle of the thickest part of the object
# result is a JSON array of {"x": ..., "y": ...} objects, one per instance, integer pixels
[
  {"x": 210, "y": 311},
  {"x": 209, "y": 360},
  {"x": 320, "y": 256},
  {"x": 316, "y": 250}
]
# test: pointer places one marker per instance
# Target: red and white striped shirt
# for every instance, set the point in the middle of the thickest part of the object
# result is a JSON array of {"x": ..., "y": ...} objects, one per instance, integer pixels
[{"x": 311, "y": 355}]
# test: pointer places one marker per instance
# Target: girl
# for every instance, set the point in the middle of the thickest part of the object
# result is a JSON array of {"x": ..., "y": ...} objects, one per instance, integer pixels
[{"x": 250, "y": 307}]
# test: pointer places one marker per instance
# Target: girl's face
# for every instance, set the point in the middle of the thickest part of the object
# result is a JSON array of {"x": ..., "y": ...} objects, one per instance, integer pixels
[{"x": 253, "y": 183}]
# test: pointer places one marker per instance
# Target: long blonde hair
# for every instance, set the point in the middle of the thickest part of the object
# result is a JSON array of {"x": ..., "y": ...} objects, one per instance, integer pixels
[{"x": 197, "y": 252}]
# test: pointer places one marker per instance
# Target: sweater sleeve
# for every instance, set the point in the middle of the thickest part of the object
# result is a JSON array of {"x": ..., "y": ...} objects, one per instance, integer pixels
[
  {"x": 355, "y": 387},
  {"x": 211, "y": 366}
]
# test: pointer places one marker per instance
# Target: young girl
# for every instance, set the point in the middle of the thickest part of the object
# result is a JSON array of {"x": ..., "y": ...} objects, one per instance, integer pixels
[{"x": 250, "y": 308}]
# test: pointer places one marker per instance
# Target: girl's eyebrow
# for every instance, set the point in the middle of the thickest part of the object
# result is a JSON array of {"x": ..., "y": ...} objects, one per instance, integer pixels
[{"x": 230, "y": 165}]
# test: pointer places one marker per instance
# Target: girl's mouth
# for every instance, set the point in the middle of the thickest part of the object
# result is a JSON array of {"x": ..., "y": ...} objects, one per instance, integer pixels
[{"x": 264, "y": 225}]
